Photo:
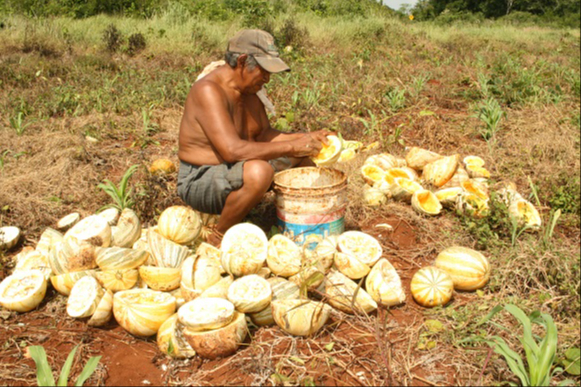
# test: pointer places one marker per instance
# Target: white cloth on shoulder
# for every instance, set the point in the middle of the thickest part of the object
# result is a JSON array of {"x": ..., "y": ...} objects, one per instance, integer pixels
[{"x": 268, "y": 105}]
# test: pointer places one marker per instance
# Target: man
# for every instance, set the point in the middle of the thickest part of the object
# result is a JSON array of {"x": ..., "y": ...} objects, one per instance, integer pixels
[{"x": 228, "y": 151}]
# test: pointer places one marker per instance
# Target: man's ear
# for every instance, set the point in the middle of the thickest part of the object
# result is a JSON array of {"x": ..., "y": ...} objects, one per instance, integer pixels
[{"x": 242, "y": 60}]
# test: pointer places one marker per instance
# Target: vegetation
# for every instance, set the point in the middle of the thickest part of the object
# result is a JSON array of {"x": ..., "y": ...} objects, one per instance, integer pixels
[
  {"x": 44, "y": 372},
  {"x": 91, "y": 88}
]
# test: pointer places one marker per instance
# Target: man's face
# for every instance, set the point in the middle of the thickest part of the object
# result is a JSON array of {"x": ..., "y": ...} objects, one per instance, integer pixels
[{"x": 257, "y": 77}]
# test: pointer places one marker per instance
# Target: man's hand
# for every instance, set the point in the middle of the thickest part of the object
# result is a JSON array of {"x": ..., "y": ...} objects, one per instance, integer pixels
[
  {"x": 310, "y": 144},
  {"x": 321, "y": 135}
]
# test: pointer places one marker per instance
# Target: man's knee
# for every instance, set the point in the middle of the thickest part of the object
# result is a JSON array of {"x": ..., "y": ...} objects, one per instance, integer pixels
[{"x": 258, "y": 174}]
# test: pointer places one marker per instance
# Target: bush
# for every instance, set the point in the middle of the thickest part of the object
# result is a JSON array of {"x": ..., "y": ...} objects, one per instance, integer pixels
[
  {"x": 112, "y": 38},
  {"x": 135, "y": 44},
  {"x": 291, "y": 34}
]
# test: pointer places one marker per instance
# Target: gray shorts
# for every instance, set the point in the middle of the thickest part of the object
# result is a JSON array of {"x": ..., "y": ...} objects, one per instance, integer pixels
[{"x": 205, "y": 188}]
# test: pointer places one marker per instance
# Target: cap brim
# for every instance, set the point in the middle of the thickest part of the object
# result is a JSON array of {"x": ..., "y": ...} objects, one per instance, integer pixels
[{"x": 272, "y": 64}]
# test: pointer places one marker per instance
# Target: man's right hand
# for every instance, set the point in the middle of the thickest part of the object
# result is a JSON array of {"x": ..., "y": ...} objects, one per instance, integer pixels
[{"x": 306, "y": 146}]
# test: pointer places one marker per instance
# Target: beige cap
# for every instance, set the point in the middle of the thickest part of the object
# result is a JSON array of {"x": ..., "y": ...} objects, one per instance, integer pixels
[{"x": 259, "y": 44}]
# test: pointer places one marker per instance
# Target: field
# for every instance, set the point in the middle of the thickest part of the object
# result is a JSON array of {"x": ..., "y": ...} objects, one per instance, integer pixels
[{"x": 83, "y": 100}]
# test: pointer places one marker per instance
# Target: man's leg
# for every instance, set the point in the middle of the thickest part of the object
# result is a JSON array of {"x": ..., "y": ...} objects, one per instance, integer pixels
[{"x": 257, "y": 177}]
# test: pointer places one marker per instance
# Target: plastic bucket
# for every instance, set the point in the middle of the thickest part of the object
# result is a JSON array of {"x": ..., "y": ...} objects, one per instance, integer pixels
[{"x": 310, "y": 203}]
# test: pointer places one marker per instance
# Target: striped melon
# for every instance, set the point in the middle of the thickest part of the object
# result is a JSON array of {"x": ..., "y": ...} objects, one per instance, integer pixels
[
  {"x": 441, "y": 171},
  {"x": 203, "y": 314},
  {"x": 200, "y": 272},
  {"x": 161, "y": 278},
  {"x": 284, "y": 256},
  {"x": 219, "y": 289},
  {"x": 449, "y": 196},
  {"x": 403, "y": 188},
  {"x": 119, "y": 258},
  {"x": 179, "y": 224},
  {"x": 9, "y": 237},
  {"x": 384, "y": 285},
  {"x": 128, "y": 229},
  {"x": 281, "y": 290},
  {"x": 418, "y": 158},
  {"x": 34, "y": 260},
  {"x": 342, "y": 293},
  {"x": 93, "y": 229},
  {"x": 351, "y": 266},
  {"x": 68, "y": 221},
  {"x": 170, "y": 339},
  {"x": 111, "y": 215},
  {"x": 23, "y": 291},
  {"x": 431, "y": 287},
  {"x": 104, "y": 311},
  {"x": 84, "y": 298},
  {"x": 361, "y": 246},
  {"x": 208, "y": 251},
  {"x": 142, "y": 311},
  {"x": 244, "y": 249},
  {"x": 166, "y": 253},
  {"x": 116, "y": 280},
  {"x": 63, "y": 283},
  {"x": 48, "y": 240},
  {"x": 425, "y": 202},
  {"x": 468, "y": 268},
  {"x": 250, "y": 294},
  {"x": 524, "y": 213},
  {"x": 300, "y": 317}
]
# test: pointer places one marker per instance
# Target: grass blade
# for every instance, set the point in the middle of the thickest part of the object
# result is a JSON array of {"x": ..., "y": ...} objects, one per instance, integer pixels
[
  {"x": 512, "y": 359},
  {"x": 88, "y": 370},
  {"x": 66, "y": 370},
  {"x": 43, "y": 370}
]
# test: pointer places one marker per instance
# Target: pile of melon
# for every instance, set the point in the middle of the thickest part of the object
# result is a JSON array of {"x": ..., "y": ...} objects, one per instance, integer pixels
[
  {"x": 431, "y": 182},
  {"x": 200, "y": 300}
]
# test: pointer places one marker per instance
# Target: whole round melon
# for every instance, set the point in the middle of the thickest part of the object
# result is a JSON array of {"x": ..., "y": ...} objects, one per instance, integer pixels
[
  {"x": 468, "y": 268},
  {"x": 431, "y": 287},
  {"x": 180, "y": 224},
  {"x": 142, "y": 311}
]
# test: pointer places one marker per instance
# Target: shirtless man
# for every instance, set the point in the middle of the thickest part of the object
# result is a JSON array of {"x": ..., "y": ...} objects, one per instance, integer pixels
[{"x": 228, "y": 151}]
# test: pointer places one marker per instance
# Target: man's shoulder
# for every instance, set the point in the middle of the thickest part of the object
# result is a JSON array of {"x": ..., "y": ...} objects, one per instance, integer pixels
[{"x": 208, "y": 88}]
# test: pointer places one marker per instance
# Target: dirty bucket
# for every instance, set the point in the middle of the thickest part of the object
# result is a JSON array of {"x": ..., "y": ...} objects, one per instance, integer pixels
[{"x": 310, "y": 201}]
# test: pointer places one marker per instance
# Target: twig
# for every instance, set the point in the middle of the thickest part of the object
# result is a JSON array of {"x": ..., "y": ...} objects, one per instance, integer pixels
[{"x": 484, "y": 367}]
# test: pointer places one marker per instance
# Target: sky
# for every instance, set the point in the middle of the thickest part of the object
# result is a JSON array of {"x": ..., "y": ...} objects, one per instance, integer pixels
[{"x": 395, "y": 4}]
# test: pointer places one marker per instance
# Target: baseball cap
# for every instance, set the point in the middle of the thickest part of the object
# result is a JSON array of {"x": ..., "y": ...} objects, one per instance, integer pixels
[{"x": 259, "y": 44}]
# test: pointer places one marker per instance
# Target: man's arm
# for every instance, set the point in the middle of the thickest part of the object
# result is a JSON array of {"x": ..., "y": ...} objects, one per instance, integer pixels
[{"x": 211, "y": 111}]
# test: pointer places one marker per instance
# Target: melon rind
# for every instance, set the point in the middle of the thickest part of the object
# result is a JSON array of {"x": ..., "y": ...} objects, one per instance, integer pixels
[
  {"x": 244, "y": 249},
  {"x": 250, "y": 294},
  {"x": 384, "y": 284},
  {"x": 431, "y": 287},
  {"x": 179, "y": 224},
  {"x": 142, "y": 311},
  {"x": 9, "y": 237},
  {"x": 340, "y": 291},
  {"x": 361, "y": 246},
  {"x": 203, "y": 314},
  {"x": 84, "y": 298},
  {"x": 170, "y": 339},
  {"x": 11, "y": 296},
  {"x": 300, "y": 317},
  {"x": 284, "y": 256},
  {"x": 468, "y": 268}
]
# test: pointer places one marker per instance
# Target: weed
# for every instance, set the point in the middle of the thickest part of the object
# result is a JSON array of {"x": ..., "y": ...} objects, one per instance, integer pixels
[
  {"x": 122, "y": 196},
  {"x": 3, "y": 158},
  {"x": 565, "y": 195},
  {"x": 18, "y": 124},
  {"x": 112, "y": 38},
  {"x": 491, "y": 114},
  {"x": 290, "y": 34},
  {"x": 550, "y": 228},
  {"x": 396, "y": 99},
  {"x": 44, "y": 372},
  {"x": 135, "y": 44},
  {"x": 418, "y": 84},
  {"x": 540, "y": 356}
]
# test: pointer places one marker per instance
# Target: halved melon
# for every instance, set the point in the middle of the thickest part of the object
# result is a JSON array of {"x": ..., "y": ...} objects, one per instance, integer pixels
[
  {"x": 68, "y": 221},
  {"x": 164, "y": 279},
  {"x": 142, "y": 311},
  {"x": 475, "y": 188},
  {"x": 373, "y": 197},
  {"x": 284, "y": 256},
  {"x": 219, "y": 342},
  {"x": 120, "y": 258},
  {"x": 351, "y": 266},
  {"x": 431, "y": 287},
  {"x": 48, "y": 240},
  {"x": 418, "y": 158},
  {"x": 312, "y": 274},
  {"x": 117, "y": 280},
  {"x": 111, "y": 215},
  {"x": 441, "y": 171},
  {"x": 456, "y": 181},
  {"x": 189, "y": 293},
  {"x": 166, "y": 253},
  {"x": 179, "y": 224},
  {"x": 402, "y": 172},
  {"x": 477, "y": 172},
  {"x": 203, "y": 314},
  {"x": 361, "y": 246},
  {"x": 34, "y": 260},
  {"x": 449, "y": 196},
  {"x": 425, "y": 202},
  {"x": 342, "y": 293},
  {"x": 128, "y": 229},
  {"x": 209, "y": 251},
  {"x": 347, "y": 155},
  {"x": 384, "y": 285},
  {"x": 324, "y": 253},
  {"x": 473, "y": 205},
  {"x": 77, "y": 255},
  {"x": 281, "y": 290},
  {"x": 250, "y": 294},
  {"x": 104, "y": 311},
  {"x": 330, "y": 153},
  {"x": 386, "y": 161},
  {"x": 23, "y": 290},
  {"x": 93, "y": 229},
  {"x": 525, "y": 214},
  {"x": 300, "y": 317},
  {"x": 372, "y": 173},
  {"x": 219, "y": 289},
  {"x": 474, "y": 161},
  {"x": 355, "y": 145},
  {"x": 404, "y": 188},
  {"x": 63, "y": 283},
  {"x": 468, "y": 268},
  {"x": 244, "y": 249},
  {"x": 170, "y": 339},
  {"x": 84, "y": 298},
  {"x": 9, "y": 237}
]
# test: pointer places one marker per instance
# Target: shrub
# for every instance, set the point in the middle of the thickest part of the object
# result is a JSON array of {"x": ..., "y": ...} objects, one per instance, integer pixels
[
  {"x": 135, "y": 44},
  {"x": 112, "y": 38},
  {"x": 290, "y": 34}
]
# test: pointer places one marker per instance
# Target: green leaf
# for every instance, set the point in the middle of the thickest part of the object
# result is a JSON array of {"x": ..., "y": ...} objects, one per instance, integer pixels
[
  {"x": 88, "y": 370},
  {"x": 513, "y": 360},
  {"x": 490, "y": 315},
  {"x": 434, "y": 326},
  {"x": 329, "y": 346},
  {"x": 43, "y": 370},
  {"x": 65, "y": 371},
  {"x": 425, "y": 113},
  {"x": 571, "y": 361},
  {"x": 297, "y": 360}
]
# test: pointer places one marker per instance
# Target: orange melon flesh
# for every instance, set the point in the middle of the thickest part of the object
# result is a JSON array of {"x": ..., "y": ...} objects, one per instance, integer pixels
[{"x": 428, "y": 202}]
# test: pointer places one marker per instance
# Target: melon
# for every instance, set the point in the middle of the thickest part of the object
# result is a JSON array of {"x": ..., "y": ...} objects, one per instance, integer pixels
[
  {"x": 63, "y": 283},
  {"x": 244, "y": 249},
  {"x": 23, "y": 291},
  {"x": 425, "y": 202},
  {"x": 404, "y": 188},
  {"x": 164, "y": 279},
  {"x": 372, "y": 173},
  {"x": 170, "y": 339},
  {"x": 179, "y": 224},
  {"x": 384, "y": 284},
  {"x": 330, "y": 153},
  {"x": 281, "y": 290},
  {"x": 431, "y": 287},
  {"x": 117, "y": 279},
  {"x": 84, "y": 298},
  {"x": 351, "y": 266},
  {"x": 345, "y": 295},
  {"x": 9, "y": 237},
  {"x": 418, "y": 158},
  {"x": 468, "y": 268},
  {"x": 93, "y": 229},
  {"x": 441, "y": 171},
  {"x": 141, "y": 312},
  {"x": 128, "y": 229},
  {"x": 68, "y": 221},
  {"x": 104, "y": 311},
  {"x": 203, "y": 314},
  {"x": 111, "y": 215},
  {"x": 250, "y": 294},
  {"x": 120, "y": 258},
  {"x": 300, "y": 317},
  {"x": 284, "y": 256},
  {"x": 525, "y": 214},
  {"x": 361, "y": 246},
  {"x": 162, "y": 167},
  {"x": 164, "y": 252}
]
